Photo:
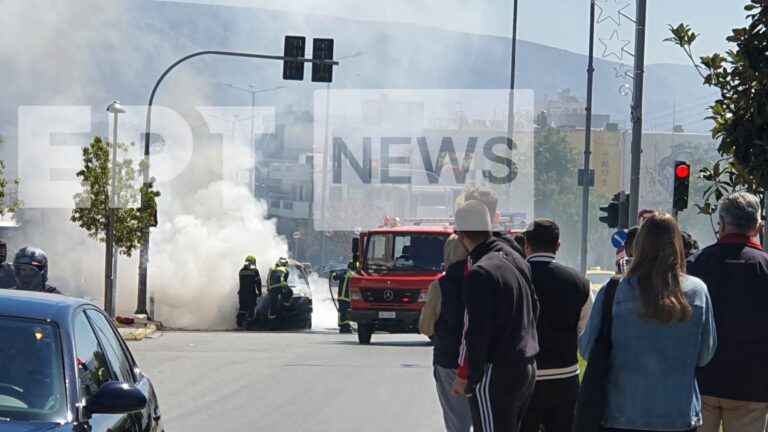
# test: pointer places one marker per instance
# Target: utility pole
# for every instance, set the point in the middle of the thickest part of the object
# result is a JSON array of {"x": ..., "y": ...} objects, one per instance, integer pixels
[
  {"x": 324, "y": 191},
  {"x": 512, "y": 74},
  {"x": 587, "y": 140},
  {"x": 637, "y": 110}
]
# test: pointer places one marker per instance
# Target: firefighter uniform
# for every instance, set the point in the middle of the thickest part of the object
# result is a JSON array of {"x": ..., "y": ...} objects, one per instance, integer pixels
[
  {"x": 343, "y": 297},
  {"x": 250, "y": 290},
  {"x": 277, "y": 282}
]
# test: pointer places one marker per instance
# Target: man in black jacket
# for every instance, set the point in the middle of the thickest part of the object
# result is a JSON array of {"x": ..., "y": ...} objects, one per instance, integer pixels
[
  {"x": 734, "y": 384},
  {"x": 497, "y": 368},
  {"x": 565, "y": 301}
]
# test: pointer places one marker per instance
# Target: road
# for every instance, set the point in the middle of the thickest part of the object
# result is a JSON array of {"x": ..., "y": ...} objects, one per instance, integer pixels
[{"x": 305, "y": 381}]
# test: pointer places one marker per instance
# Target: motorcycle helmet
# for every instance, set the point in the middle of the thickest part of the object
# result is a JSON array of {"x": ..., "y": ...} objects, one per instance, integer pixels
[{"x": 30, "y": 267}]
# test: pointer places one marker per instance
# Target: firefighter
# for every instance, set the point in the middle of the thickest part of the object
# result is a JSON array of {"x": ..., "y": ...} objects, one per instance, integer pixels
[
  {"x": 250, "y": 290},
  {"x": 277, "y": 284},
  {"x": 343, "y": 296},
  {"x": 30, "y": 266},
  {"x": 7, "y": 278}
]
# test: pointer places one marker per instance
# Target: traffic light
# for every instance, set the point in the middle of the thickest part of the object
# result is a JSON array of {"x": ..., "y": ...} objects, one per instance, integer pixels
[
  {"x": 623, "y": 221},
  {"x": 682, "y": 185},
  {"x": 295, "y": 47},
  {"x": 611, "y": 217},
  {"x": 322, "y": 49}
]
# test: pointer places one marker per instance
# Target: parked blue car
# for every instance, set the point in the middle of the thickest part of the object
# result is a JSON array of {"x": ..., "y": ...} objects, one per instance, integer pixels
[{"x": 64, "y": 367}]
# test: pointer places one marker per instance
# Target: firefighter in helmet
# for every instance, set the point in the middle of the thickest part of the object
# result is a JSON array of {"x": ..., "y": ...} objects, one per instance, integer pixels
[
  {"x": 344, "y": 279},
  {"x": 277, "y": 287},
  {"x": 250, "y": 290},
  {"x": 30, "y": 266}
]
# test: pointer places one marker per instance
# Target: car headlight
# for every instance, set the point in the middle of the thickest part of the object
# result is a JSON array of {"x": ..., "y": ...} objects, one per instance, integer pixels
[
  {"x": 423, "y": 297},
  {"x": 355, "y": 295}
]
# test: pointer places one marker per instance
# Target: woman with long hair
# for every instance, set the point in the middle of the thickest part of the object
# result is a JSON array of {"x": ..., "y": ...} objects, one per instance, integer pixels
[{"x": 663, "y": 328}]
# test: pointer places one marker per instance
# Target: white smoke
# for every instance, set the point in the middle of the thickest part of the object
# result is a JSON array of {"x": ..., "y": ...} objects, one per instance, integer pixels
[
  {"x": 324, "y": 315},
  {"x": 195, "y": 257}
]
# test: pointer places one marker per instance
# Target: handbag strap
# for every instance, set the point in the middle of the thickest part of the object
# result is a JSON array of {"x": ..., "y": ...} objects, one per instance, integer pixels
[{"x": 607, "y": 319}]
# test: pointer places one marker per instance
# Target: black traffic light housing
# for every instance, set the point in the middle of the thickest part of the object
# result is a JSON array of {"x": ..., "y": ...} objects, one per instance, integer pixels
[
  {"x": 295, "y": 47},
  {"x": 611, "y": 217},
  {"x": 322, "y": 49},
  {"x": 681, "y": 186},
  {"x": 616, "y": 212}
]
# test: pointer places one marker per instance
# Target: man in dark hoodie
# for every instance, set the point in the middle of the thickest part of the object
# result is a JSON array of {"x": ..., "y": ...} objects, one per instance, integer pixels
[{"x": 497, "y": 367}]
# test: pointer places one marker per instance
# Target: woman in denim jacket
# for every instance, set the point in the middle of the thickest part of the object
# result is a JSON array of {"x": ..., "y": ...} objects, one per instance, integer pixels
[{"x": 663, "y": 329}]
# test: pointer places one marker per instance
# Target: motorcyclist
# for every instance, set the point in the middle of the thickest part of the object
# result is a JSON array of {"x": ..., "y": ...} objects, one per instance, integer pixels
[
  {"x": 30, "y": 267},
  {"x": 7, "y": 278},
  {"x": 277, "y": 288},
  {"x": 249, "y": 291},
  {"x": 343, "y": 296}
]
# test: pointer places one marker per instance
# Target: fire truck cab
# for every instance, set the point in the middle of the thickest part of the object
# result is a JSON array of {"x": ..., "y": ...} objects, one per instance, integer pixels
[{"x": 397, "y": 265}]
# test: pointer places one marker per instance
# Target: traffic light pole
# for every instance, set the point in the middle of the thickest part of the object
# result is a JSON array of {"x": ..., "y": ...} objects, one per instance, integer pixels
[
  {"x": 587, "y": 140},
  {"x": 637, "y": 110},
  {"x": 141, "y": 301}
]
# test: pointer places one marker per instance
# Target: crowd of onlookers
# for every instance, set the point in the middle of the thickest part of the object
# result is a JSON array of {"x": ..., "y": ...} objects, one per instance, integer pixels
[{"x": 684, "y": 331}]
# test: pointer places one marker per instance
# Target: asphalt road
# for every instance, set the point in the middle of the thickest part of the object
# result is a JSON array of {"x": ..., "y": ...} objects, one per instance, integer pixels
[{"x": 305, "y": 381}]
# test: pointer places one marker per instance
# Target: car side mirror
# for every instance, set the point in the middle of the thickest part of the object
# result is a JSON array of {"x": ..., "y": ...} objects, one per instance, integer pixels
[{"x": 116, "y": 397}]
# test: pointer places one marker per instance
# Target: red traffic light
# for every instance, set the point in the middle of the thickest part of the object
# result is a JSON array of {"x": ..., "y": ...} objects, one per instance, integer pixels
[{"x": 683, "y": 171}]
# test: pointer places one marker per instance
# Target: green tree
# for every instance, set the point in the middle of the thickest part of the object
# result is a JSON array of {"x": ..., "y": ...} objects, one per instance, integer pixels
[
  {"x": 556, "y": 195},
  {"x": 741, "y": 112},
  {"x": 91, "y": 213},
  {"x": 9, "y": 199}
]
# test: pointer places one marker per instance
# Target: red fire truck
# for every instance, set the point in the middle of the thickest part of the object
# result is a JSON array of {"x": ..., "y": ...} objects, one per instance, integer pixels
[{"x": 397, "y": 264}]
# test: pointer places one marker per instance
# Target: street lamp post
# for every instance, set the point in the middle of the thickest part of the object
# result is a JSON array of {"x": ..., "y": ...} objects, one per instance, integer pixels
[
  {"x": 323, "y": 191},
  {"x": 252, "y": 90},
  {"x": 110, "y": 260},
  {"x": 141, "y": 302}
]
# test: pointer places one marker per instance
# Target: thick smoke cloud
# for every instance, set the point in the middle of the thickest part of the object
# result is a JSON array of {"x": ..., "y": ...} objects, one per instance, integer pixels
[{"x": 81, "y": 52}]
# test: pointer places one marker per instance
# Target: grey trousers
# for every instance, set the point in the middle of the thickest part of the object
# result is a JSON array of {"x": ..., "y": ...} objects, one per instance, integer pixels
[{"x": 456, "y": 412}]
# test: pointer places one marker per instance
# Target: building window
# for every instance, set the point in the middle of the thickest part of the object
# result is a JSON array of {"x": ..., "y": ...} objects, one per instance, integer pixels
[
  {"x": 274, "y": 204},
  {"x": 288, "y": 205}
]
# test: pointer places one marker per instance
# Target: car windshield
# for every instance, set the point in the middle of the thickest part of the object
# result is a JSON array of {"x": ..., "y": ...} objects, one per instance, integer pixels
[
  {"x": 31, "y": 371},
  {"x": 405, "y": 252},
  {"x": 598, "y": 278}
]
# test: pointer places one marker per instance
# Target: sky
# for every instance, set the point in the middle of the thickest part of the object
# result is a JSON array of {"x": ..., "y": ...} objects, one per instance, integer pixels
[{"x": 557, "y": 23}]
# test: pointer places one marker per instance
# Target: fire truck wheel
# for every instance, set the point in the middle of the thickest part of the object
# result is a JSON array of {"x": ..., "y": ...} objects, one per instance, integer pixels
[{"x": 364, "y": 333}]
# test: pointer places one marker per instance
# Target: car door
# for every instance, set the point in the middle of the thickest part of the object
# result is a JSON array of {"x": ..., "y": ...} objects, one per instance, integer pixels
[
  {"x": 93, "y": 370},
  {"x": 121, "y": 360}
]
